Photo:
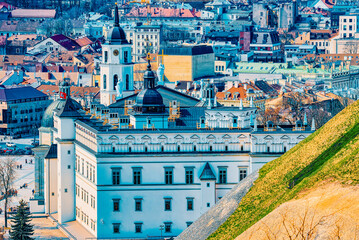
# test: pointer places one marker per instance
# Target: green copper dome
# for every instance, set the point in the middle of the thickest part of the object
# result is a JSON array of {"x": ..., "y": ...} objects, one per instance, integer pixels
[{"x": 48, "y": 117}]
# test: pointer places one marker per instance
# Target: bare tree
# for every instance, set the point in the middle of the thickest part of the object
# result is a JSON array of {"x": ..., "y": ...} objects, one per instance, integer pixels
[
  {"x": 7, "y": 177},
  {"x": 270, "y": 114},
  {"x": 302, "y": 226},
  {"x": 295, "y": 102},
  {"x": 351, "y": 47}
]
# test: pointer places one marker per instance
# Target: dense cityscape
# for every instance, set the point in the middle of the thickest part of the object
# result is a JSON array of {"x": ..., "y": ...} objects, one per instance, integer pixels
[{"x": 154, "y": 119}]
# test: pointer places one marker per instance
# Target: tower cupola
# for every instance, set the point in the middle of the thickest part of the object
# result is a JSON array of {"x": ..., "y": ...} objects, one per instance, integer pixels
[{"x": 149, "y": 100}]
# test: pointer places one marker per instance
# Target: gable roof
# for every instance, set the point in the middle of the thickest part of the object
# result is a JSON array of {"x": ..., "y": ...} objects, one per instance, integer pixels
[
  {"x": 83, "y": 41},
  {"x": 207, "y": 173},
  {"x": 66, "y": 42}
]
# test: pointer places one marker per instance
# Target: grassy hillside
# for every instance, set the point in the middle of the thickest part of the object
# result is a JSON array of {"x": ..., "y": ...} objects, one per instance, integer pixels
[{"x": 331, "y": 153}]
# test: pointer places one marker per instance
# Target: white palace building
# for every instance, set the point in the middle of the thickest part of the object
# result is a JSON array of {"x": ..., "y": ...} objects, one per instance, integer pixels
[{"x": 143, "y": 160}]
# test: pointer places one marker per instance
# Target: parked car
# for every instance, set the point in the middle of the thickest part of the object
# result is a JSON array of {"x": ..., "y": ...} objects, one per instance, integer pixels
[{"x": 10, "y": 144}]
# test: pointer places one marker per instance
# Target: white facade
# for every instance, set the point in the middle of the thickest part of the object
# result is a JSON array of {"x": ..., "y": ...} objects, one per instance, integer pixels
[
  {"x": 348, "y": 26},
  {"x": 144, "y": 38},
  {"x": 116, "y": 72},
  {"x": 113, "y": 181},
  {"x": 231, "y": 151}
]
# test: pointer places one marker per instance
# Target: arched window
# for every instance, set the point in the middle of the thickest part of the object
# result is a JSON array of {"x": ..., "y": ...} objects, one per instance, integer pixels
[
  {"x": 115, "y": 80},
  {"x": 127, "y": 82},
  {"x": 104, "y": 82}
]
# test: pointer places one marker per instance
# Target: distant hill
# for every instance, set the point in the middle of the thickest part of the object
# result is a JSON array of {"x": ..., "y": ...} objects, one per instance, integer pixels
[{"x": 327, "y": 159}]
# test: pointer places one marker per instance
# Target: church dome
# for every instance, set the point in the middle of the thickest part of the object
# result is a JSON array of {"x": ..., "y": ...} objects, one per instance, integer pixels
[
  {"x": 149, "y": 97},
  {"x": 149, "y": 100},
  {"x": 117, "y": 35},
  {"x": 48, "y": 117}
]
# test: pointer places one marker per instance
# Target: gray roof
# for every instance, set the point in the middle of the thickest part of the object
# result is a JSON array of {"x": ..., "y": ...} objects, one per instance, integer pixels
[
  {"x": 207, "y": 173},
  {"x": 187, "y": 50},
  {"x": 48, "y": 117},
  {"x": 18, "y": 93},
  {"x": 69, "y": 109},
  {"x": 52, "y": 152}
]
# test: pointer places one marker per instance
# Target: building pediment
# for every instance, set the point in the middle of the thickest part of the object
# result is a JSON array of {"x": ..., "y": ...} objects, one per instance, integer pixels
[
  {"x": 301, "y": 137},
  {"x": 242, "y": 136},
  {"x": 194, "y": 136},
  {"x": 146, "y": 137},
  {"x": 284, "y": 137},
  {"x": 178, "y": 136},
  {"x": 226, "y": 136},
  {"x": 130, "y": 137},
  {"x": 211, "y": 136},
  {"x": 113, "y": 138},
  {"x": 268, "y": 137},
  {"x": 163, "y": 137}
]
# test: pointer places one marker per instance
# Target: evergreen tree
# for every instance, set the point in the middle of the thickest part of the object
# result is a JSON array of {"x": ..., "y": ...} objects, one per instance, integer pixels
[{"x": 21, "y": 229}]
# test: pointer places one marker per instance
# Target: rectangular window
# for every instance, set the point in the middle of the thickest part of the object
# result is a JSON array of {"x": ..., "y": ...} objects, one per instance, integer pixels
[
  {"x": 116, "y": 227},
  {"x": 105, "y": 56},
  {"x": 138, "y": 227},
  {"x": 242, "y": 174},
  {"x": 136, "y": 175},
  {"x": 138, "y": 204},
  {"x": 168, "y": 227},
  {"x": 189, "y": 204},
  {"x": 125, "y": 56},
  {"x": 222, "y": 175},
  {"x": 189, "y": 176},
  {"x": 168, "y": 204},
  {"x": 116, "y": 176},
  {"x": 93, "y": 174},
  {"x": 83, "y": 167},
  {"x": 116, "y": 205},
  {"x": 168, "y": 175}
]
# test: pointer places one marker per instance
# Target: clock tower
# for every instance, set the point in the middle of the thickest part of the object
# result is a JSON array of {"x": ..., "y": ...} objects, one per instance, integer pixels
[{"x": 116, "y": 67}]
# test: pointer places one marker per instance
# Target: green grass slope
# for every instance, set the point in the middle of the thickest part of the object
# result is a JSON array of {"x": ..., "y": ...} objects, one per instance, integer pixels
[{"x": 331, "y": 153}]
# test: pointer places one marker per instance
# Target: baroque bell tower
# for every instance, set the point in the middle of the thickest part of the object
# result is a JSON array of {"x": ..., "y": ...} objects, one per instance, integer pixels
[{"x": 116, "y": 68}]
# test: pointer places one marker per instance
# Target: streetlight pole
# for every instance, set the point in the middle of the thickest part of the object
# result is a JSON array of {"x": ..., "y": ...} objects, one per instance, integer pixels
[{"x": 161, "y": 229}]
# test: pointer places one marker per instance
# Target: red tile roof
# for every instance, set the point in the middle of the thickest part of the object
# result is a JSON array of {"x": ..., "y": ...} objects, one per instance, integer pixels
[
  {"x": 74, "y": 91},
  {"x": 83, "y": 41},
  {"x": 235, "y": 93},
  {"x": 6, "y": 5},
  {"x": 163, "y": 12}
]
